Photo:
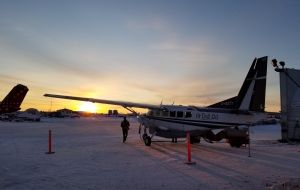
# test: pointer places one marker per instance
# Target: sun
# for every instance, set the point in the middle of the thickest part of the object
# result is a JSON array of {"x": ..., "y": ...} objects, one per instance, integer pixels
[{"x": 88, "y": 107}]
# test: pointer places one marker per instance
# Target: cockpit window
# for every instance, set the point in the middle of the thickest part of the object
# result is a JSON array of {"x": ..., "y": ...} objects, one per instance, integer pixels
[
  {"x": 150, "y": 113},
  {"x": 188, "y": 114},
  {"x": 172, "y": 113},
  {"x": 179, "y": 114}
]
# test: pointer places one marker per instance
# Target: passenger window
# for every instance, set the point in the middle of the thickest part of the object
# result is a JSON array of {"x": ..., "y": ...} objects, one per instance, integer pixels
[
  {"x": 157, "y": 113},
  {"x": 172, "y": 113},
  {"x": 165, "y": 113},
  {"x": 179, "y": 114},
  {"x": 188, "y": 114}
]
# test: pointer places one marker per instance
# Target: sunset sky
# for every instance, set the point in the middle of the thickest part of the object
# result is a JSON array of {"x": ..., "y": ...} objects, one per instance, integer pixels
[{"x": 187, "y": 52}]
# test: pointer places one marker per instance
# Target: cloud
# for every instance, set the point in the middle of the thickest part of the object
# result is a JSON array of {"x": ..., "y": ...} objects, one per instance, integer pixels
[
  {"x": 25, "y": 44},
  {"x": 164, "y": 65},
  {"x": 154, "y": 23}
]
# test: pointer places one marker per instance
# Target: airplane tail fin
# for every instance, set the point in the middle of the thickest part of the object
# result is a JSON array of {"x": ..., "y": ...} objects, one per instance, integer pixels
[
  {"x": 253, "y": 91},
  {"x": 15, "y": 97}
]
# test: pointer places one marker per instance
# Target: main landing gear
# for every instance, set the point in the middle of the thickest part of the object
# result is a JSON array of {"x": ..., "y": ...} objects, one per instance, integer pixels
[
  {"x": 195, "y": 139},
  {"x": 146, "y": 138}
]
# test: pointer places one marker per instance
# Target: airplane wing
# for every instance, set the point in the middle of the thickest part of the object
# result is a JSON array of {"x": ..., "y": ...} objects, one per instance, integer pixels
[{"x": 111, "y": 102}]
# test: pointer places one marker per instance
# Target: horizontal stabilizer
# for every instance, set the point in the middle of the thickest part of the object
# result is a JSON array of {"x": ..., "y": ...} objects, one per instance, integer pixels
[{"x": 229, "y": 103}]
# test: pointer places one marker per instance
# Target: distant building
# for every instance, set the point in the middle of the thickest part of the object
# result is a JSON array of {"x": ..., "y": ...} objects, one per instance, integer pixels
[
  {"x": 64, "y": 113},
  {"x": 113, "y": 113},
  {"x": 32, "y": 111}
]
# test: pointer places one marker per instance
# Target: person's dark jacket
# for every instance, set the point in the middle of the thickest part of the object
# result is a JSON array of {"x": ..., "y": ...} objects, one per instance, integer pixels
[{"x": 125, "y": 125}]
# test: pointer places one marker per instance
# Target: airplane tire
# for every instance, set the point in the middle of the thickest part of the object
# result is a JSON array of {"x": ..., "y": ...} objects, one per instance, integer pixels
[
  {"x": 237, "y": 142},
  {"x": 144, "y": 136},
  {"x": 147, "y": 141},
  {"x": 195, "y": 140}
]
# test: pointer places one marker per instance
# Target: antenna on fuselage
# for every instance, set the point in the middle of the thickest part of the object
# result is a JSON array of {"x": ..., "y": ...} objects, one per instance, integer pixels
[{"x": 161, "y": 103}]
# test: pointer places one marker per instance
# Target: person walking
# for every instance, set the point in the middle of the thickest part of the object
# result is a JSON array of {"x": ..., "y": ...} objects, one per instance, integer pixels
[{"x": 125, "y": 127}]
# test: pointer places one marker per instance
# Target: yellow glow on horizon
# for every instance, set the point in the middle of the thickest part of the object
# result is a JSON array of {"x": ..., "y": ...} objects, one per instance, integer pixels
[{"x": 88, "y": 107}]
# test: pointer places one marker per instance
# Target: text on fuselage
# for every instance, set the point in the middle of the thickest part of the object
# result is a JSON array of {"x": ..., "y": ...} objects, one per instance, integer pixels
[{"x": 207, "y": 116}]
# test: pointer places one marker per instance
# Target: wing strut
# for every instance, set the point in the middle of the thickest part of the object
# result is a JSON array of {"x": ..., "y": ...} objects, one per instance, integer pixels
[{"x": 131, "y": 110}]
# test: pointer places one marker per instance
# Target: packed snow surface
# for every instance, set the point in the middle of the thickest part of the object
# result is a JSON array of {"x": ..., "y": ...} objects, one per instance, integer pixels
[{"x": 89, "y": 154}]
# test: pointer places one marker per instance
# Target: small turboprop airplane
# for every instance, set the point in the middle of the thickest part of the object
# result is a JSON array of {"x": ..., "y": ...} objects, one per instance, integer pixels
[
  {"x": 174, "y": 121},
  {"x": 14, "y": 99}
]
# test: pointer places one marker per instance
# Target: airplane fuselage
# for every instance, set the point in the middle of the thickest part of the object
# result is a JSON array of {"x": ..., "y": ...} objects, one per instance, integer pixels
[{"x": 175, "y": 121}]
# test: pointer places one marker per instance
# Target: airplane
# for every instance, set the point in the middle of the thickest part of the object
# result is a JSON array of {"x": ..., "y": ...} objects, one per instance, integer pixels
[
  {"x": 230, "y": 115},
  {"x": 20, "y": 117},
  {"x": 12, "y": 102}
]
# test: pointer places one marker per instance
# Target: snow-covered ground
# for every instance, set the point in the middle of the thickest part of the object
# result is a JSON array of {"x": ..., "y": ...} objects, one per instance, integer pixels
[{"x": 89, "y": 154}]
